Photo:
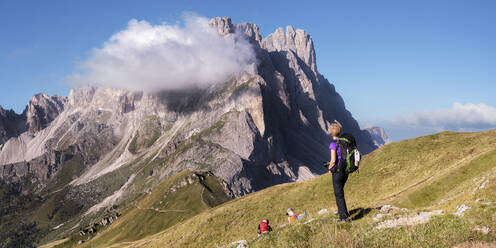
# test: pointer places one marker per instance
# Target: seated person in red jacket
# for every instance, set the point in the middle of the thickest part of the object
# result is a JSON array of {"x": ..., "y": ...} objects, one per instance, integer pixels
[{"x": 264, "y": 227}]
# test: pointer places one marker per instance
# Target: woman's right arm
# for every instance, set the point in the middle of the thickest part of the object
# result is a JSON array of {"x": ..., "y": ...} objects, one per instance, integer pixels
[{"x": 333, "y": 160}]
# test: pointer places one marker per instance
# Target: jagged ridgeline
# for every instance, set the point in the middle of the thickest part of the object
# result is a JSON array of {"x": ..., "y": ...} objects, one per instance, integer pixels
[{"x": 80, "y": 159}]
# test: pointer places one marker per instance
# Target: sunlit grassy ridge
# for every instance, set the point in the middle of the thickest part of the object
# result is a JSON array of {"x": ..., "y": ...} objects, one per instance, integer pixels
[{"x": 438, "y": 171}]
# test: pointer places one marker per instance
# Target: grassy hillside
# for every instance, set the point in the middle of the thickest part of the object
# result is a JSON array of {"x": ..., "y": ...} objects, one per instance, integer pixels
[
  {"x": 436, "y": 172},
  {"x": 172, "y": 201}
]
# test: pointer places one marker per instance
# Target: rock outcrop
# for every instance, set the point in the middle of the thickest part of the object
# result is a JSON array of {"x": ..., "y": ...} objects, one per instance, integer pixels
[
  {"x": 11, "y": 124},
  {"x": 378, "y": 135},
  {"x": 297, "y": 41},
  {"x": 41, "y": 110}
]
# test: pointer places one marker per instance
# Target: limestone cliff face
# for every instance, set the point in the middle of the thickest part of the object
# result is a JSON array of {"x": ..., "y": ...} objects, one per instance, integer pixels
[
  {"x": 288, "y": 65},
  {"x": 298, "y": 42},
  {"x": 40, "y": 111},
  {"x": 100, "y": 147},
  {"x": 11, "y": 125},
  {"x": 378, "y": 135}
]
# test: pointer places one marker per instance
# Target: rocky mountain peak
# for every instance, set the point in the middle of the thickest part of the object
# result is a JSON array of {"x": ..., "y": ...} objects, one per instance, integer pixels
[
  {"x": 39, "y": 112},
  {"x": 11, "y": 124},
  {"x": 251, "y": 30},
  {"x": 224, "y": 25},
  {"x": 81, "y": 95},
  {"x": 43, "y": 109},
  {"x": 297, "y": 41},
  {"x": 378, "y": 135}
]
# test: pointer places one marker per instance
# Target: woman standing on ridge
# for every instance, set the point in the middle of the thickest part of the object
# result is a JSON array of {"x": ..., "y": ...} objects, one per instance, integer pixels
[{"x": 339, "y": 175}]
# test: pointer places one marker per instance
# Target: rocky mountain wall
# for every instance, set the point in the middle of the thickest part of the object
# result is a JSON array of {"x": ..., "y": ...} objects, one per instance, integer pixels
[{"x": 100, "y": 147}]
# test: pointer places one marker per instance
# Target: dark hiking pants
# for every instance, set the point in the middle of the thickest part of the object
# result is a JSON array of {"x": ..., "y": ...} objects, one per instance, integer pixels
[{"x": 338, "y": 180}]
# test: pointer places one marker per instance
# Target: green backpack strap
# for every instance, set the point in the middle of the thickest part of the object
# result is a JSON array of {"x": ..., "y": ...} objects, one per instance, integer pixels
[
  {"x": 348, "y": 160},
  {"x": 344, "y": 139}
]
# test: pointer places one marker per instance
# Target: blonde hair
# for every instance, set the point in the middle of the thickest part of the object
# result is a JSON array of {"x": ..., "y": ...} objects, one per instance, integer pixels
[{"x": 335, "y": 128}]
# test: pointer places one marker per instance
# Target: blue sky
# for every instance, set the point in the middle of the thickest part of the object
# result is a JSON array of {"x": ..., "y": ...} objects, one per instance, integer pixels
[{"x": 388, "y": 59}]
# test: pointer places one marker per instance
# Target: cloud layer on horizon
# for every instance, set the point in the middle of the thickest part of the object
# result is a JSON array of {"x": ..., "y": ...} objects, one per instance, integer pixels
[
  {"x": 164, "y": 57},
  {"x": 460, "y": 117}
]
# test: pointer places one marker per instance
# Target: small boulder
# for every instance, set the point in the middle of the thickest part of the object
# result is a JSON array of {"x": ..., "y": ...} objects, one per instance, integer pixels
[
  {"x": 387, "y": 208},
  {"x": 411, "y": 220},
  {"x": 484, "y": 201},
  {"x": 482, "y": 229},
  {"x": 378, "y": 217},
  {"x": 240, "y": 244},
  {"x": 461, "y": 209},
  {"x": 323, "y": 211}
]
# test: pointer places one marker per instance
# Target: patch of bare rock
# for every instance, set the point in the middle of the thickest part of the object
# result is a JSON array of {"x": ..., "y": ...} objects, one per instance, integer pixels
[
  {"x": 460, "y": 210},
  {"x": 403, "y": 220}
]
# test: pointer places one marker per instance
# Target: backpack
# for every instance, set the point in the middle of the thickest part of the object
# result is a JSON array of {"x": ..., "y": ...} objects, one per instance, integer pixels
[{"x": 350, "y": 156}]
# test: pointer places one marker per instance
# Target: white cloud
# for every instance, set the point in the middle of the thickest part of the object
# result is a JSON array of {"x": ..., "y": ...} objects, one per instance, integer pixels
[
  {"x": 460, "y": 117},
  {"x": 162, "y": 57}
]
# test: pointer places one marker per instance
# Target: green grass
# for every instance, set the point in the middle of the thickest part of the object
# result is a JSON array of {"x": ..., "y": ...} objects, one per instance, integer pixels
[
  {"x": 199, "y": 141},
  {"x": 133, "y": 146},
  {"x": 430, "y": 172},
  {"x": 160, "y": 210},
  {"x": 152, "y": 129},
  {"x": 55, "y": 208},
  {"x": 148, "y": 135},
  {"x": 64, "y": 207},
  {"x": 68, "y": 171},
  {"x": 425, "y": 195},
  {"x": 17, "y": 229},
  {"x": 235, "y": 90},
  {"x": 441, "y": 231}
]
